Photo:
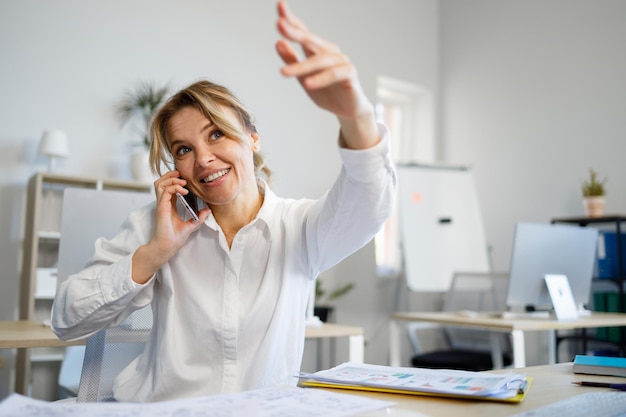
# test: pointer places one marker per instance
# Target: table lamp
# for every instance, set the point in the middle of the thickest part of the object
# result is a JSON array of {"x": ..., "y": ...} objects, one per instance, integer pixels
[{"x": 54, "y": 145}]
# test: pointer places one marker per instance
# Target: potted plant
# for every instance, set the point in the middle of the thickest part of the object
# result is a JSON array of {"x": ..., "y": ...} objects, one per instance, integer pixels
[
  {"x": 141, "y": 103},
  {"x": 594, "y": 191},
  {"x": 323, "y": 301}
]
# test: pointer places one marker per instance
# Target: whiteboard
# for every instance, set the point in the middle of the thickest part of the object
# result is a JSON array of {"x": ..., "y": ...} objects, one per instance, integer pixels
[{"x": 441, "y": 225}]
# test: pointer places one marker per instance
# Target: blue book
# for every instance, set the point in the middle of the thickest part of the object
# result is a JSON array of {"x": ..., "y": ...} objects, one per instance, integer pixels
[{"x": 600, "y": 365}]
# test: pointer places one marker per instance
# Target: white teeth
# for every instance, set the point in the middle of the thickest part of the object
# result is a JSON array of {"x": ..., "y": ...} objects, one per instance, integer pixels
[{"x": 216, "y": 175}]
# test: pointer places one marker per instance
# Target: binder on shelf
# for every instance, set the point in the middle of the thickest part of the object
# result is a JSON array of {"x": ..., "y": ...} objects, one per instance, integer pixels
[
  {"x": 608, "y": 302},
  {"x": 608, "y": 257},
  {"x": 613, "y": 306},
  {"x": 599, "y": 304}
]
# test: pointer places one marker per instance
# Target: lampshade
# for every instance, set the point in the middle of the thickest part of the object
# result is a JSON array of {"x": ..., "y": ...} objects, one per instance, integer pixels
[{"x": 54, "y": 144}]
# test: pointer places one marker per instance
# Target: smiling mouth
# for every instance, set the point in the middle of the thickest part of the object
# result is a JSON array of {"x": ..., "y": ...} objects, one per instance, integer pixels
[{"x": 215, "y": 175}]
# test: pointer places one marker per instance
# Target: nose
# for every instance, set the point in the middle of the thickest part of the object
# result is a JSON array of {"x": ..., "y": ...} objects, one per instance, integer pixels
[{"x": 204, "y": 156}]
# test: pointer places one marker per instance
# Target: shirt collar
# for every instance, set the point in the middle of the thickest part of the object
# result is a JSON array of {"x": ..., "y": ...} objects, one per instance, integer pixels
[{"x": 270, "y": 202}]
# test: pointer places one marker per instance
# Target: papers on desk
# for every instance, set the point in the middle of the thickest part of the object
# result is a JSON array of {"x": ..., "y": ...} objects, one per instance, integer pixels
[
  {"x": 280, "y": 401},
  {"x": 508, "y": 387}
]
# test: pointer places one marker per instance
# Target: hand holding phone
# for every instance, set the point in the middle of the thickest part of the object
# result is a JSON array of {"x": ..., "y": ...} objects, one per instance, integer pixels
[{"x": 185, "y": 204}]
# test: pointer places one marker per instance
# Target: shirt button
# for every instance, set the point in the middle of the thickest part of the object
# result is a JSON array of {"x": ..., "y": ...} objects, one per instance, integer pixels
[
  {"x": 239, "y": 238},
  {"x": 124, "y": 287},
  {"x": 113, "y": 294}
]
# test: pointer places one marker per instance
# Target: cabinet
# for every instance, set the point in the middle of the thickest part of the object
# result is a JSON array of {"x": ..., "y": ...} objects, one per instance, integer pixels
[
  {"x": 42, "y": 225},
  {"x": 615, "y": 275}
]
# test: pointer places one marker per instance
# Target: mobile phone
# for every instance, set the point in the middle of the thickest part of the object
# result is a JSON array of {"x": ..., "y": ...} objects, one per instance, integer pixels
[{"x": 187, "y": 206}]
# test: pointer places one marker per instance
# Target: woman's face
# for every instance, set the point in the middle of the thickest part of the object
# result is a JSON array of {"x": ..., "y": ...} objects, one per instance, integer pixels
[{"x": 218, "y": 169}]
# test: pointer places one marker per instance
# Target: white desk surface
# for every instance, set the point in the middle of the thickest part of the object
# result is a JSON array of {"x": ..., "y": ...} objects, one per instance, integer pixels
[
  {"x": 486, "y": 321},
  {"x": 332, "y": 330},
  {"x": 550, "y": 383}
]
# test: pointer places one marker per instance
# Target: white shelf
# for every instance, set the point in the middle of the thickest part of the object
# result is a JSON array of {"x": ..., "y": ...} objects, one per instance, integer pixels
[
  {"x": 46, "y": 357},
  {"x": 49, "y": 235}
]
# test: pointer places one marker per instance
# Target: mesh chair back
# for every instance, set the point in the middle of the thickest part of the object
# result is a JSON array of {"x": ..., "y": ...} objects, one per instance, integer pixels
[
  {"x": 109, "y": 351},
  {"x": 88, "y": 214},
  {"x": 480, "y": 292}
]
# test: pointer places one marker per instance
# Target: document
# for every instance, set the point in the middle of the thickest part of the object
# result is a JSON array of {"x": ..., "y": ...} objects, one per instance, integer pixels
[
  {"x": 267, "y": 402},
  {"x": 478, "y": 385}
]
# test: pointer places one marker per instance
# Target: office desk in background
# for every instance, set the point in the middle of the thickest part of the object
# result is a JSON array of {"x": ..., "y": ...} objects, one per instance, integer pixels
[
  {"x": 550, "y": 383},
  {"x": 515, "y": 326},
  {"x": 34, "y": 334},
  {"x": 30, "y": 334}
]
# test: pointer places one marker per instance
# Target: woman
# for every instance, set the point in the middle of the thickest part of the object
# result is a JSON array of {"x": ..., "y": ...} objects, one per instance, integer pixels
[{"x": 229, "y": 291}]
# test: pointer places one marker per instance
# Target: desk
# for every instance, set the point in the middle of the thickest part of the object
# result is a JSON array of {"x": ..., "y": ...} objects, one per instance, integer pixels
[
  {"x": 356, "y": 343},
  {"x": 24, "y": 334},
  {"x": 515, "y": 326},
  {"x": 33, "y": 334},
  {"x": 30, "y": 334},
  {"x": 551, "y": 383}
]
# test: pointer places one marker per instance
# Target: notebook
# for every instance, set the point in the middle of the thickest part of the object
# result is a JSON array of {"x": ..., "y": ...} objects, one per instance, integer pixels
[{"x": 600, "y": 365}]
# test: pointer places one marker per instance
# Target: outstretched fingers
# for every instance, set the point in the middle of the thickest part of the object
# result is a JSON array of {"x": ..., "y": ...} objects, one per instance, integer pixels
[
  {"x": 324, "y": 63},
  {"x": 294, "y": 30}
]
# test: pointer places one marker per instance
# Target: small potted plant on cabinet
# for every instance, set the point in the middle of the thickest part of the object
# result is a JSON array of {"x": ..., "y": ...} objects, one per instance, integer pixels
[
  {"x": 323, "y": 302},
  {"x": 142, "y": 103},
  {"x": 594, "y": 192}
]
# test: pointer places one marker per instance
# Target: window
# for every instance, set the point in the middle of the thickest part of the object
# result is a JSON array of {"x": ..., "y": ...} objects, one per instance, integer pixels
[{"x": 407, "y": 110}]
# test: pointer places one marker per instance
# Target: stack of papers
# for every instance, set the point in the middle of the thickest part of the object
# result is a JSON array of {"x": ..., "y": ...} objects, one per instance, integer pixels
[{"x": 508, "y": 387}]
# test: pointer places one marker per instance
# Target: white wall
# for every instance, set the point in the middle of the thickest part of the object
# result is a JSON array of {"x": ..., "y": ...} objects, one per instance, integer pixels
[
  {"x": 66, "y": 63},
  {"x": 533, "y": 95}
]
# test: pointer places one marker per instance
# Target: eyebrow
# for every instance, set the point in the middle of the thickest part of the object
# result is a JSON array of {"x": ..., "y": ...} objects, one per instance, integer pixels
[{"x": 205, "y": 128}]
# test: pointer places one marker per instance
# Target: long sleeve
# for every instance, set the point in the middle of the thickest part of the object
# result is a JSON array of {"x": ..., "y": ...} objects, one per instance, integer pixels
[
  {"x": 104, "y": 293},
  {"x": 355, "y": 208}
]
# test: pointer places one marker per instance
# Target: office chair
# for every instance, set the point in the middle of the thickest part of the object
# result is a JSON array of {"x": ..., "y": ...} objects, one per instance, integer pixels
[
  {"x": 468, "y": 349},
  {"x": 109, "y": 351},
  {"x": 69, "y": 373},
  {"x": 88, "y": 372}
]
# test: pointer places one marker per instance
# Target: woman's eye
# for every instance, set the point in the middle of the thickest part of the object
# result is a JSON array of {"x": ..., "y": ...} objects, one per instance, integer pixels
[
  {"x": 182, "y": 150},
  {"x": 216, "y": 135}
]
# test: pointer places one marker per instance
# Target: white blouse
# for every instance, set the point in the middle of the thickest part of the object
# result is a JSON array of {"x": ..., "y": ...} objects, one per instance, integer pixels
[{"x": 228, "y": 320}]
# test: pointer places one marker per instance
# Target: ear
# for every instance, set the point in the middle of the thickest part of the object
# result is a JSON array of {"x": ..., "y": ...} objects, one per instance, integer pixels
[{"x": 255, "y": 141}]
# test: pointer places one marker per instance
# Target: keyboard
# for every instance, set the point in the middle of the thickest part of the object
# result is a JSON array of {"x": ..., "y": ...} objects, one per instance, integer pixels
[{"x": 591, "y": 404}]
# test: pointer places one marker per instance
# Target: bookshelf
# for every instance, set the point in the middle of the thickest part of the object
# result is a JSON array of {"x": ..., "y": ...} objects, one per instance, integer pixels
[
  {"x": 613, "y": 273},
  {"x": 42, "y": 225}
]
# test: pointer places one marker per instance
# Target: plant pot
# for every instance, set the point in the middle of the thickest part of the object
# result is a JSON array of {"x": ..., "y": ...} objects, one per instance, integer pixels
[
  {"x": 140, "y": 166},
  {"x": 323, "y": 312},
  {"x": 594, "y": 206}
]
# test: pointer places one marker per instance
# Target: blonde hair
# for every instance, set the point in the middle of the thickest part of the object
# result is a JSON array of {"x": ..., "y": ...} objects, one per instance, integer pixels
[{"x": 210, "y": 99}]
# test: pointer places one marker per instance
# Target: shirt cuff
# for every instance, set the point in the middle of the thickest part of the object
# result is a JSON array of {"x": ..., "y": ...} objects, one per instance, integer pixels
[
  {"x": 123, "y": 286},
  {"x": 366, "y": 164}
]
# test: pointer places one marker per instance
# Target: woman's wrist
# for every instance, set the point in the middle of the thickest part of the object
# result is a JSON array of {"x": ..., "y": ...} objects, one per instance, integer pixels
[
  {"x": 360, "y": 132},
  {"x": 145, "y": 263}
]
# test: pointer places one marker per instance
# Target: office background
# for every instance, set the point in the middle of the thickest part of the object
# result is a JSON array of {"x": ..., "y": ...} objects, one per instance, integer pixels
[{"x": 531, "y": 93}]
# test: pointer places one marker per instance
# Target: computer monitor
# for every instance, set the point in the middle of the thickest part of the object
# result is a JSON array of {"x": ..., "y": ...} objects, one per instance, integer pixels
[{"x": 540, "y": 249}]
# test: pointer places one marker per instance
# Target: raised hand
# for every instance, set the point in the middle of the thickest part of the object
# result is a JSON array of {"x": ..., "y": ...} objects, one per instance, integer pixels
[{"x": 328, "y": 77}]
